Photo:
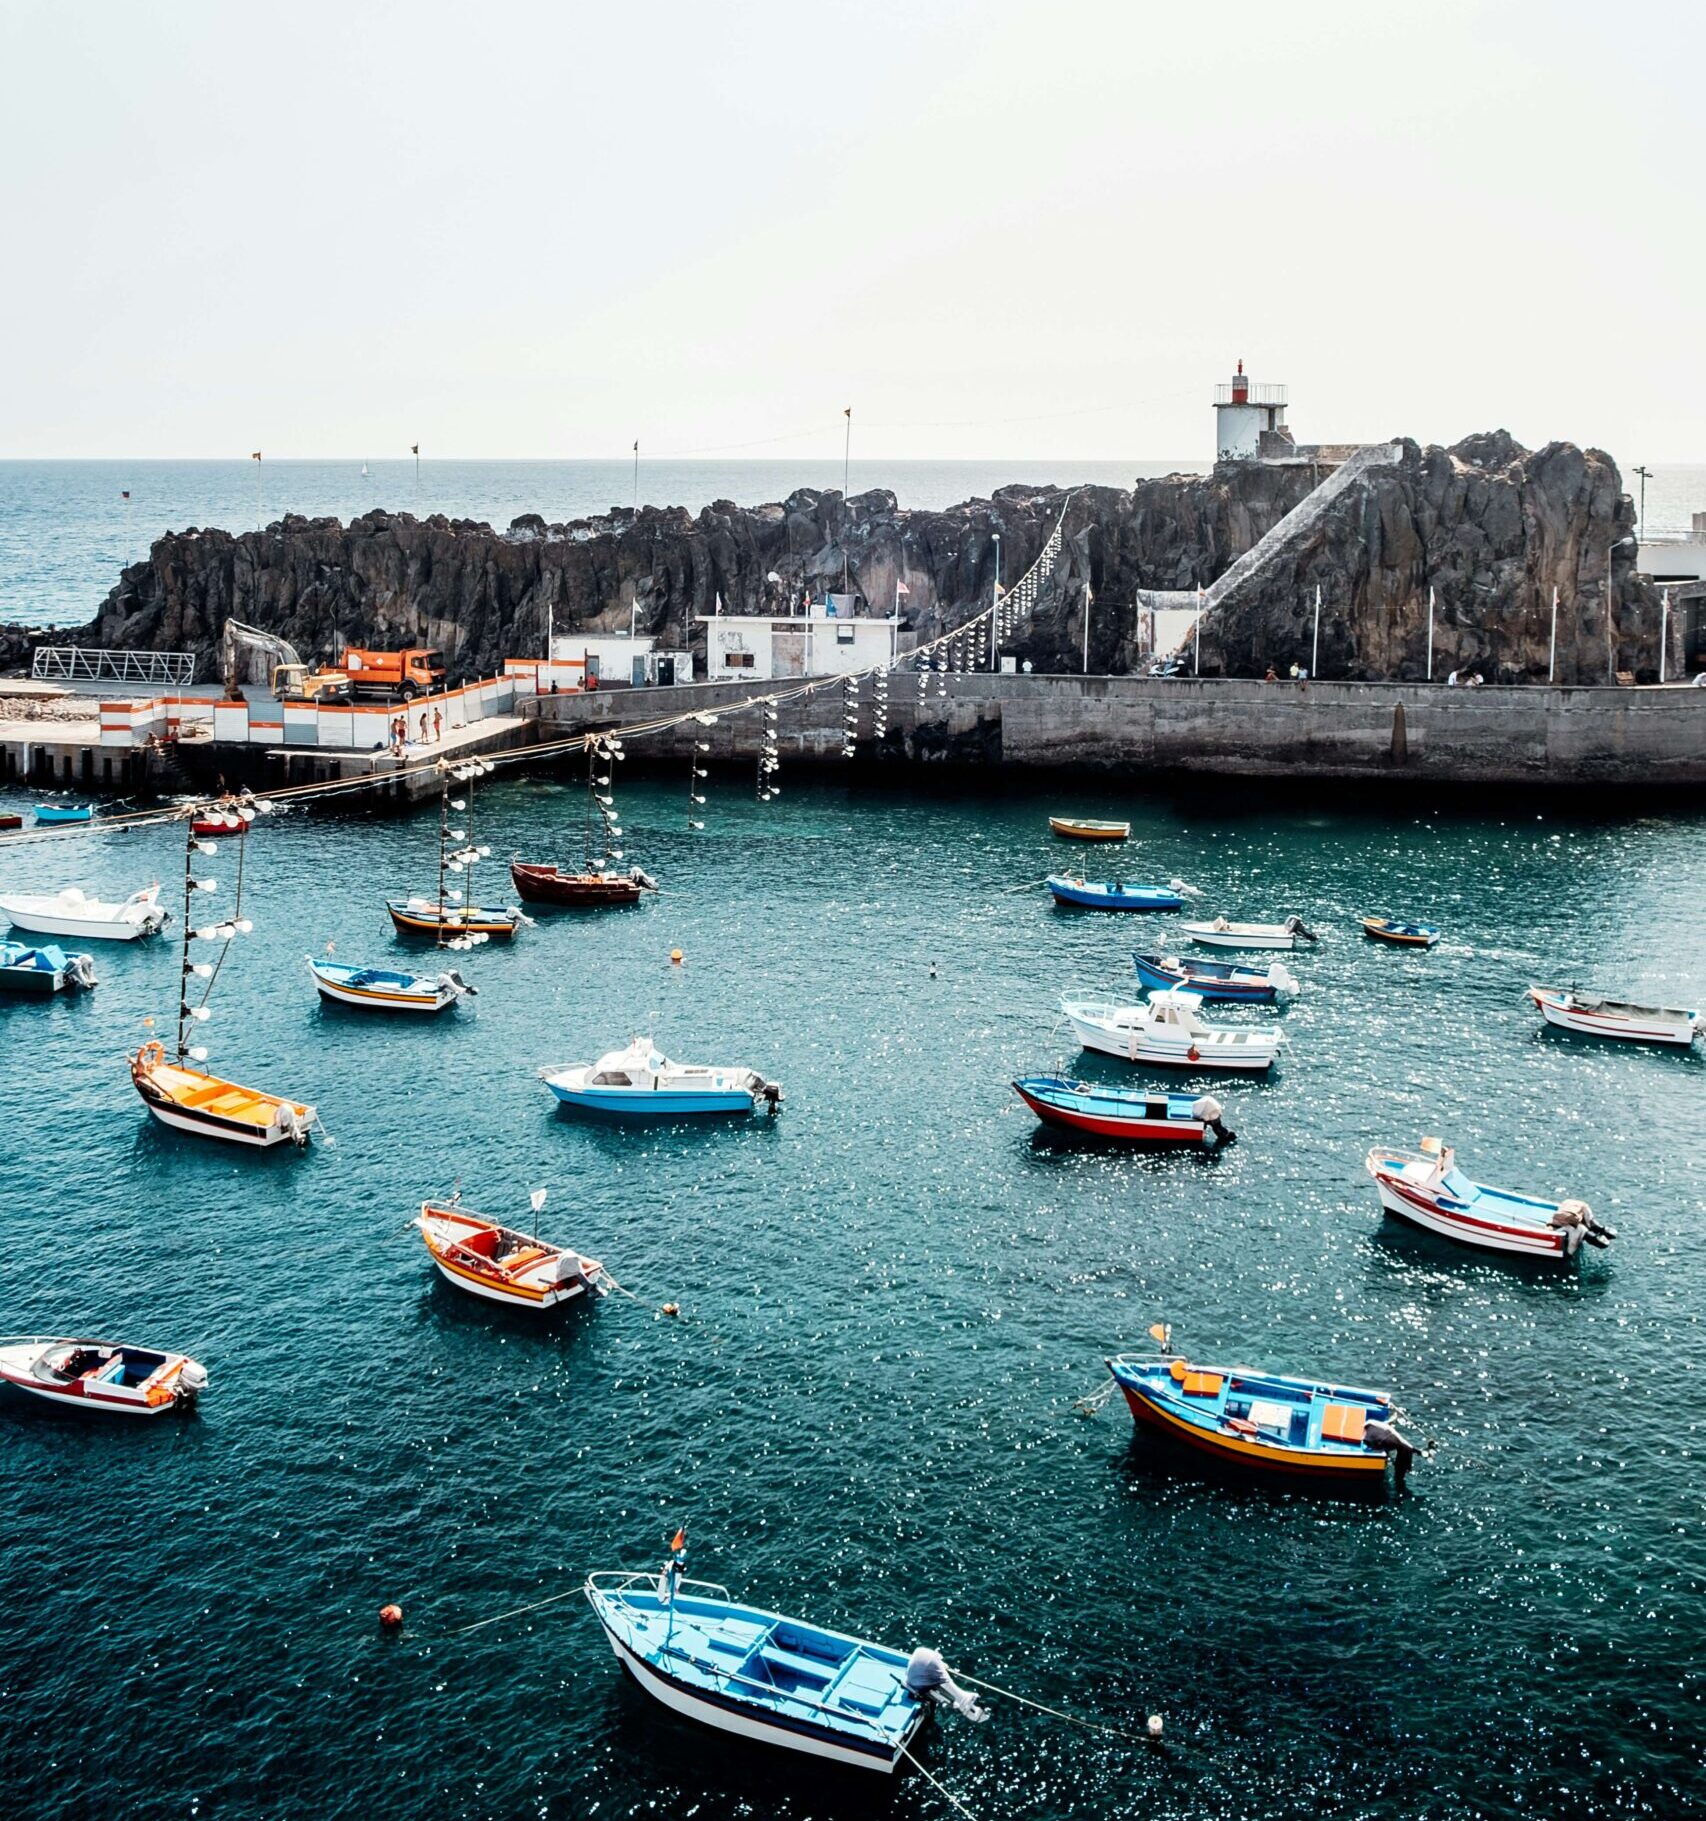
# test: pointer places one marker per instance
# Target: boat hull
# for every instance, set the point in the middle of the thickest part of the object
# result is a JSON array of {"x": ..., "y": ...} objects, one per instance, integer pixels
[
  {"x": 1205, "y": 986},
  {"x": 162, "y": 1395},
  {"x": 1114, "y": 898},
  {"x": 32, "y": 982},
  {"x": 573, "y": 891},
  {"x": 517, "y": 1296},
  {"x": 1616, "y": 1026},
  {"x": 1409, "y": 1203},
  {"x": 1106, "y": 1122},
  {"x": 1376, "y": 931},
  {"x": 1205, "y": 936},
  {"x": 499, "y": 925},
  {"x": 637, "y": 1103},
  {"x": 221, "y": 1116},
  {"x": 1089, "y": 831},
  {"x": 1257, "y": 1457},
  {"x": 43, "y": 922},
  {"x": 1172, "y": 1053},
  {"x": 380, "y": 996}
]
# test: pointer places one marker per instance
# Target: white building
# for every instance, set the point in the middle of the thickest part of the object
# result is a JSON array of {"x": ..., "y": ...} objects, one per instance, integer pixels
[
  {"x": 592, "y": 660},
  {"x": 1242, "y": 411},
  {"x": 830, "y": 640}
]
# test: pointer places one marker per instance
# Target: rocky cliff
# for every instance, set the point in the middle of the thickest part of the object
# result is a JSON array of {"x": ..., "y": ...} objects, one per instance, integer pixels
[{"x": 1489, "y": 526}]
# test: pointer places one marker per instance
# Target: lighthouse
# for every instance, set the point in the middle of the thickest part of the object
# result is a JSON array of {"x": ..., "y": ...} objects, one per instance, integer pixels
[{"x": 1242, "y": 412}]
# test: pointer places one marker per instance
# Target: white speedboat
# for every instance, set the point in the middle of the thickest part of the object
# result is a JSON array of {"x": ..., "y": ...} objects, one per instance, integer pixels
[
  {"x": 638, "y": 1081},
  {"x": 72, "y": 913},
  {"x": 1597, "y": 1017},
  {"x": 103, "y": 1376},
  {"x": 1168, "y": 1030},
  {"x": 1292, "y": 933}
]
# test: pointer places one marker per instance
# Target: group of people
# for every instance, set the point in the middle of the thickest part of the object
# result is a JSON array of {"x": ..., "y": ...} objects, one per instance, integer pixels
[{"x": 400, "y": 730}]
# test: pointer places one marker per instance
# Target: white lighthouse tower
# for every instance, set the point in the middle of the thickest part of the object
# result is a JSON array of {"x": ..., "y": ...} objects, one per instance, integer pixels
[{"x": 1242, "y": 411}]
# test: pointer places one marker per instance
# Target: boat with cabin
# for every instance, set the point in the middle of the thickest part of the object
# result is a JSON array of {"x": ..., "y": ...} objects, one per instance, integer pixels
[
  {"x": 1085, "y": 828},
  {"x": 1230, "y": 982},
  {"x": 1290, "y": 934},
  {"x": 1114, "y": 895},
  {"x": 386, "y": 989},
  {"x": 72, "y": 913},
  {"x": 41, "y": 972},
  {"x": 1266, "y": 1422},
  {"x": 1166, "y": 1029},
  {"x": 1593, "y": 1016},
  {"x": 1399, "y": 934},
  {"x": 641, "y": 1082},
  {"x": 105, "y": 1378},
  {"x": 450, "y": 916},
  {"x": 602, "y": 880},
  {"x": 490, "y": 1260},
  {"x": 1427, "y": 1189},
  {"x": 51, "y": 814},
  {"x": 1133, "y": 1116}
]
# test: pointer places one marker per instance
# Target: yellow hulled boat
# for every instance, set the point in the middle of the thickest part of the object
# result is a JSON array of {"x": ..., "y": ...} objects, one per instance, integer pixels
[
  {"x": 1081, "y": 828},
  {"x": 191, "y": 1100}
]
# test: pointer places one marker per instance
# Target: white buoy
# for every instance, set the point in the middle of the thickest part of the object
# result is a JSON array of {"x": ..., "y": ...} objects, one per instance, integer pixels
[{"x": 1155, "y": 1726}]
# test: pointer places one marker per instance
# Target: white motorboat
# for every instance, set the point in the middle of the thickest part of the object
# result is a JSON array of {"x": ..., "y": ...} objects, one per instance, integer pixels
[
  {"x": 72, "y": 913},
  {"x": 1427, "y": 1189},
  {"x": 113, "y": 1379},
  {"x": 640, "y": 1081},
  {"x": 1597, "y": 1017},
  {"x": 1168, "y": 1030},
  {"x": 1292, "y": 933}
]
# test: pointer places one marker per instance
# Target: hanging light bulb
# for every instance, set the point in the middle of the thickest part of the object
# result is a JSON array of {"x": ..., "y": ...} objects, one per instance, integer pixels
[
  {"x": 459, "y": 803},
  {"x": 204, "y": 847},
  {"x": 197, "y": 1052},
  {"x": 200, "y": 1013},
  {"x": 204, "y": 885}
]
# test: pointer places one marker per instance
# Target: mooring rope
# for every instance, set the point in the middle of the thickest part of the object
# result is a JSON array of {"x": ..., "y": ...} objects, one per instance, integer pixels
[
  {"x": 942, "y": 1787},
  {"x": 515, "y": 1612},
  {"x": 1057, "y": 1713}
]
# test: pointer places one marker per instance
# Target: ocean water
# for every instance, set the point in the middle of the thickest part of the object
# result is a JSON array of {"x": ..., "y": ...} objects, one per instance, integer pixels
[{"x": 891, "y": 1296}]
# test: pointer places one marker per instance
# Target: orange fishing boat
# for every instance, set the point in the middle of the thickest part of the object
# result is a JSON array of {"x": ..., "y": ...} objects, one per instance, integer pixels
[{"x": 487, "y": 1259}]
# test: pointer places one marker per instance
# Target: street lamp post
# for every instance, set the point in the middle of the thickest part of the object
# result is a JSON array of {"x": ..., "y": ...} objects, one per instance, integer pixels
[
  {"x": 1644, "y": 475},
  {"x": 995, "y": 610}
]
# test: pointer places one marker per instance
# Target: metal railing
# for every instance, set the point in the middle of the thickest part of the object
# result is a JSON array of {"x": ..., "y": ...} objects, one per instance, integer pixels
[
  {"x": 1251, "y": 395},
  {"x": 80, "y": 664}
]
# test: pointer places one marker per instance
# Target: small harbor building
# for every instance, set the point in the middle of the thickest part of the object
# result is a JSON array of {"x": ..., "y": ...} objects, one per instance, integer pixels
[{"x": 833, "y": 637}]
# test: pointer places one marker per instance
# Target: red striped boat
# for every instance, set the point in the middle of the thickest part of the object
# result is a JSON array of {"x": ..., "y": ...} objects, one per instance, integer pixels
[{"x": 1427, "y": 1189}]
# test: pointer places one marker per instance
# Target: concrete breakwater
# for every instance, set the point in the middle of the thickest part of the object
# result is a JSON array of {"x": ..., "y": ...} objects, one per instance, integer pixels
[{"x": 1371, "y": 731}]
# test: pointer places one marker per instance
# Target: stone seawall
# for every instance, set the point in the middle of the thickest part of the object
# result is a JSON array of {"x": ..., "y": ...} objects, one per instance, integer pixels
[{"x": 1378, "y": 732}]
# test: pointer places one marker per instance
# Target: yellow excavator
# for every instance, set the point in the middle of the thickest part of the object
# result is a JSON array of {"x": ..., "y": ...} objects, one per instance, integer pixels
[{"x": 281, "y": 667}]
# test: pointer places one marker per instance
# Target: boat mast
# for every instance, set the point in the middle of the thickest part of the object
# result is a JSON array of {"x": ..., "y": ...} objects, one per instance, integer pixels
[
  {"x": 185, "y": 969},
  {"x": 443, "y": 843}
]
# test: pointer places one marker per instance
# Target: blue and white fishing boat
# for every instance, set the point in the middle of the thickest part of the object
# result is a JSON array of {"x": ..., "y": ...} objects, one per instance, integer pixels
[
  {"x": 386, "y": 989},
  {"x": 51, "y": 813},
  {"x": 1134, "y": 1116},
  {"x": 640, "y": 1082},
  {"x": 39, "y": 972},
  {"x": 1086, "y": 894},
  {"x": 1228, "y": 981},
  {"x": 757, "y": 1674}
]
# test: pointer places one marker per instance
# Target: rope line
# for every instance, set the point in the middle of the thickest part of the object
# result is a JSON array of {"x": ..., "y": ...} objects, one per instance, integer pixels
[
  {"x": 515, "y": 1612},
  {"x": 942, "y": 1787},
  {"x": 1057, "y": 1713}
]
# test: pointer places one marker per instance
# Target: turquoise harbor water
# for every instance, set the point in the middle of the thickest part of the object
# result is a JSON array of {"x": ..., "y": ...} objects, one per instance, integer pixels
[{"x": 892, "y": 1296}]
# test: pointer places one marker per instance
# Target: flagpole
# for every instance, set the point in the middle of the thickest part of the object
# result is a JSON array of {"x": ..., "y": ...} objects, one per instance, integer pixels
[
  {"x": 415, "y": 449},
  {"x": 1664, "y": 629},
  {"x": 1430, "y": 635},
  {"x": 260, "y": 511},
  {"x": 1315, "y": 647},
  {"x": 1196, "y": 632},
  {"x": 846, "y": 468},
  {"x": 636, "y": 477},
  {"x": 1086, "y": 628},
  {"x": 1552, "y": 656}
]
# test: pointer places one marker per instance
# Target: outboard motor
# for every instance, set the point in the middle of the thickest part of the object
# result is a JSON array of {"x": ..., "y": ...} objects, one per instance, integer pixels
[
  {"x": 1298, "y": 927},
  {"x": 83, "y": 970},
  {"x": 770, "y": 1092},
  {"x": 460, "y": 984},
  {"x": 1386, "y": 1438},
  {"x": 1575, "y": 1220},
  {"x": 192, "y": 1381},
  {"x": 927, "y": 1677},
  {"x": 1209, "y": 1110}
]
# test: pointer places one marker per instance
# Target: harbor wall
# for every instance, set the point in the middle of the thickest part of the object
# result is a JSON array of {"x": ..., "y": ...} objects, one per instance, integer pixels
[{"x": 1377, "y": 732}]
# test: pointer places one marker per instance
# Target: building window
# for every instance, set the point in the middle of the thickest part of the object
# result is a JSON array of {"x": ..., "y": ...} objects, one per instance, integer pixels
[{"x": 737, "y": 660}]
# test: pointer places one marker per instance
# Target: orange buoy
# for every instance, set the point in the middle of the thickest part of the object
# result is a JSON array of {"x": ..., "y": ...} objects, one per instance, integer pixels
[
  {"x": 391, "y": 1616},
  {"x": 675, "y": 957},
  {"x": 672, "y": 1308}
]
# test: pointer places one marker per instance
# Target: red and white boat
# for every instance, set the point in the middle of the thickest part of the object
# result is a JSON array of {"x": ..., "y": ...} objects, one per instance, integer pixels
[
  {"x": 1597, "y": 1017},
  {"x": 488, "y": 1259},
  {"x": 1427, "y": 1189},
  {"x": 106, "y": 1377}
]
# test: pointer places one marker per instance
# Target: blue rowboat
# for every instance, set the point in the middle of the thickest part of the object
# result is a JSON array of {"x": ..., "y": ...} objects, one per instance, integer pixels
[
  {"x": 638, "y": 1082},
  {"x": 385, "y": 989},
  {"x": 1225, "y": 980},
  {"x": 1113, "y": 896},
  {"x": 39, "y": 972},
  {"x": 757, "y": 1674},
  {"x": 1141, "y": 1116},
  {"x": 67, "y": 812},
  {"x": 1265, "y": 1421}
]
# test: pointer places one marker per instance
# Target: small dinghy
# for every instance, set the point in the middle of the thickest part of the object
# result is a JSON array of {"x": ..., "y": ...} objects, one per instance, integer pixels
[
  {"x": 1266, "y": 1421},
  {"x": 639, "y": 1082},
  {"x": 490, "y": 1260},
  {"x": 1597, "y": 1017},
  {"x": 777, "y": 1680},
  {"x": 1081, "y": 828},
  {"x": 385, "y": 989},
  {"x": 1104, "y": 895},
  {"x": 70, "y": 913},
  {"x": 191, "y": 1100},
  {"x": 592, "y": 890},
  {"x": 1427, "y": 1189},
  {"x": 453, "y": 924},
  {"x": 40, "y": 972},
  {"x": 1140, "y": 1116},
  {"x": 1167, "y": 1030},
  {"x": 1400, "y": 935},
  {"x": 50, "y": 813},
  {"x": 104, "y": 1377},
  {"x": 1221, "y": 934},
  {"x": 1225, "y": 981}
]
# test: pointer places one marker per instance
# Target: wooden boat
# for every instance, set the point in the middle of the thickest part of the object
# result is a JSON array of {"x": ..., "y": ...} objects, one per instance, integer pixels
[
  {"x": 1400, "y": 935},
  {"x": 51, "y": 813},
  {"x": 775, "y": 1680},
  {"x": 1085, "y": 894},
  {"x": 540, "y": 884},
  {"x": 104, "y": 1377},
  {"x": 191, "y": 1100},
  {"x": 490, "y": 1260},
  {"x": 10, "y": 819},
  {"x": 1081, "y": 828},
  {"x": 1221, "y": 934},
  {"x": 453, "y": 925},
  {"x": 71, "y": 913},
  {"x": 1143, "y": 1116},
  {"x": 1427, "y": 1189},
  {"x": 1167, "y": 1030},
  {"x": 385, "y": 989},
  {"x": 450, "y": 916},
  {"x": 639, "y": 1082},
  {"x": 1267, "y": 1422},
  {"x": 41, "y": 972},
  {"x": 1597, "y": 1017},
  {"x": 1226, "y": 981}
]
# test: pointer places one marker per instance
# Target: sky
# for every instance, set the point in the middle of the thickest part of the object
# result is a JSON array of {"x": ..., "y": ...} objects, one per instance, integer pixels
[{"x": 993, "y": 229}]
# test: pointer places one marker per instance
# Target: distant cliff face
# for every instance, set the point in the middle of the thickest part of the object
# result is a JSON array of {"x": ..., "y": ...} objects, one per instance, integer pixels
[{"x": 1489, "y": 526}]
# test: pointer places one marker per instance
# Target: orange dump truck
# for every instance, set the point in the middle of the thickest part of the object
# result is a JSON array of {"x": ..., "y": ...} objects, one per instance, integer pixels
[{"x": 393, "y": 674}]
